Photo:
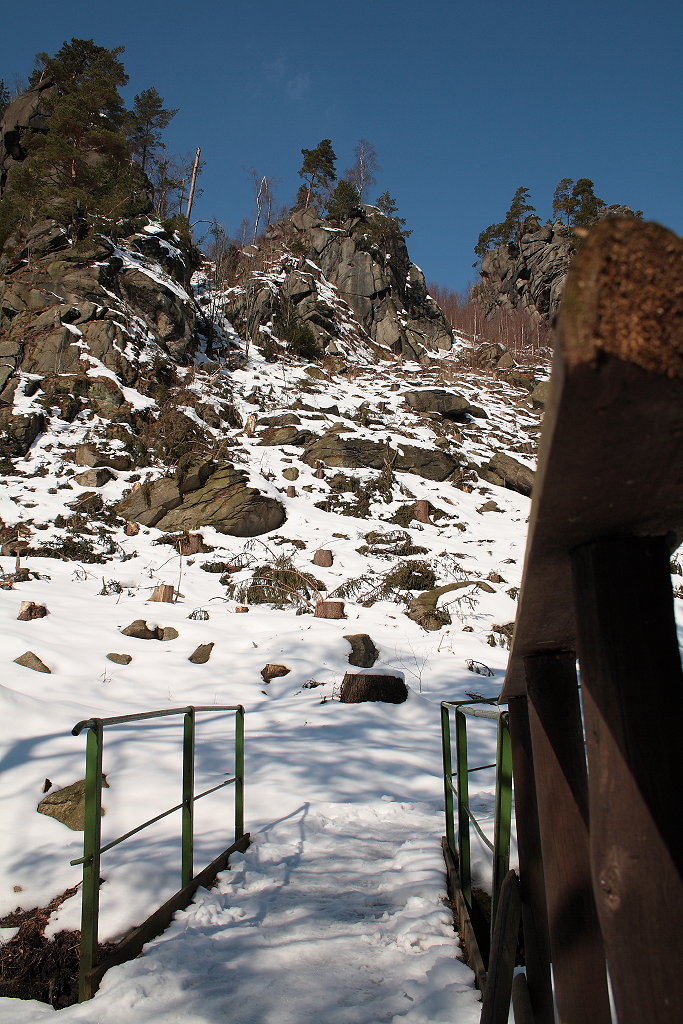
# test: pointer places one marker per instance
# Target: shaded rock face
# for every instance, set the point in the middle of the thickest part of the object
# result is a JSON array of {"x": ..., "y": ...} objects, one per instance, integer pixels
[
  {"x": 209, "y": 494},
  {"x": 529, "y": 276},
  {"x": 69, "y": 313},
  {"x": 377, "y": 294},
  {"x": 23, "y": 116}
]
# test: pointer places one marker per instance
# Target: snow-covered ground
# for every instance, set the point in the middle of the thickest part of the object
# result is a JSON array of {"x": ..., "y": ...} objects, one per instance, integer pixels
[{"x": 337, "y": 909}]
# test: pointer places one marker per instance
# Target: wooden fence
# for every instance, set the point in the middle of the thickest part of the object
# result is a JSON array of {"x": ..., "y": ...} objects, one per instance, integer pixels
[{"x": 598, "y": 772}]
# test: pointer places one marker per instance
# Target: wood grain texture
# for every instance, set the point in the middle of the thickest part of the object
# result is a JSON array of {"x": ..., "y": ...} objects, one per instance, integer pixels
[
  {"x": 611, "y": 454},
  {"x": 578, "y": 954},
  {"x": 632, "y": 688}
]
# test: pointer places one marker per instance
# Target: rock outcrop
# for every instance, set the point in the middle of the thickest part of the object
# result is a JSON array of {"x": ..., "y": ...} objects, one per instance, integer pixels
[
  {"x": 25, "y": 115},
  {"x": 531, "y": 275},
  {"x": 80, "y": 322},
  {"x": 207, "y": 494},
  {"x": 357, "y": 453},
  {"x": 352, "y": 285}
]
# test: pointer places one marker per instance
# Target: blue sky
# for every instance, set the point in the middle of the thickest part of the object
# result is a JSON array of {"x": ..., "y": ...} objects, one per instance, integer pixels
[{"x": 463, "y": 102}]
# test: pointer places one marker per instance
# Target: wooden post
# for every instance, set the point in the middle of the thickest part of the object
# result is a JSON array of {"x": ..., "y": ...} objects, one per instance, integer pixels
[
  {"x": 532, "y": 886},
  {"x": 633, "y": 709},
  {"x": 562, "y": 794}
]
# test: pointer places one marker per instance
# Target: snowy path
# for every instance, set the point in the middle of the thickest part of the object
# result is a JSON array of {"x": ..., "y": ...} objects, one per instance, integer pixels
[{"x": 333, "y": 915}]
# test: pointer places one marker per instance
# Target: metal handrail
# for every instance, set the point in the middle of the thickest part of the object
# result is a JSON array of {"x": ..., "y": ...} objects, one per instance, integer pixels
[
  {"x": 92, "y": 848},
  {"x": 500, "y": 847}
]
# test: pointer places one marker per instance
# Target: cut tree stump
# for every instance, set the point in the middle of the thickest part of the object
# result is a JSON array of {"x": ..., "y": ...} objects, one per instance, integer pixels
[
  {"x": 323, "y": 557},
  {"x": 422, "y": 512},
  {"x": 330, "y": 610},
  {"x": 192, "y": 544},
  {"x": 164, "y": 592},
  {"x": 30, "y": 610},
  {"x": 364, "y": 654},
  {"x": 357, "y": 688},
  {"x": 291, "y": 491}
]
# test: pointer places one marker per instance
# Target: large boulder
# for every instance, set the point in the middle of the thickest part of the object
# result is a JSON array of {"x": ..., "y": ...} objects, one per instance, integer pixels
[
  {"x": 357, "y": 453},
  {"x": 449, "y": 404},
  {"x": 212, "y": 494},
  {"x": 512, "y": 474}
]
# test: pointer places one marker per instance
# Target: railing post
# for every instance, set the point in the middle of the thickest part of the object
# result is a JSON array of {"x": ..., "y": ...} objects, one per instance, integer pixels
[
  {"x": 503, "y": 815},
  {"x": 90, "y": 902},
  {"x": 464, "y": 858},
  {"x": 633, "y": 707},
  {"x": 187, "y": 812},
  {"x": 239, "y": 773},
  {"x": 447, "y": 776}
]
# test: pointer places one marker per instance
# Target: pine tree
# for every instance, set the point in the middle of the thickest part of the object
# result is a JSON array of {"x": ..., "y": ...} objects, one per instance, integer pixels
[
  {"x": 318, "y": 170},
  {"x": 343, "y": 199},
  {"x": 519, "y": 217},
  {"x": 147, "y": 121},
  {"x": 516, "y": 217},
  {"x": 489, "y": 238},
  {"x": 4, "y": 97},
  {"x": 562, "y": 199},
  {"x": 81, "y": 165},
  {"x": 586, "y": 206},
  {"x": 387, "y": 206}
]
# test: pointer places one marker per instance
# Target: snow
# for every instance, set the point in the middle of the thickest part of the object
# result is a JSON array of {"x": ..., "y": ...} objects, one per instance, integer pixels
[{"x": 337, "y": 910}]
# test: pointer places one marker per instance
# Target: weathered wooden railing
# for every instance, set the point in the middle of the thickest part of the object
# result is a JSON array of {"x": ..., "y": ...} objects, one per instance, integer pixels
[{"x": 598, "y": 780}]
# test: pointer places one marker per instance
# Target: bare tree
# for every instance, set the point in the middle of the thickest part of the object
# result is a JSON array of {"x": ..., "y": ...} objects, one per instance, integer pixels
[
  {"x": 263, "y": 197},
  {"x": 363, "y": 171}
]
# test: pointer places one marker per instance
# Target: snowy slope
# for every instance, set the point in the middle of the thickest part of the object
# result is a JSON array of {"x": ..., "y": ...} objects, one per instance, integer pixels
[{"x": 339, "y": 901}]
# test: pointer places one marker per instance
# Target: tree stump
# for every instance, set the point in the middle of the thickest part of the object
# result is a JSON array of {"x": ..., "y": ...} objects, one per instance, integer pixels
[
  {"x": 357, "y": 688},
  {"x": 164, "y": 592},
  {"x": 319, "y": 470},
  {"x": 30, "y": 610},
  {"x": 192, "y": 544},
  {"x": 291, "y": 491},
  {"x": 422, "y": 512},
  {"x": 330, "y": 610},
  {"x": 323, "y": 557},
  {"x": 364, "y": 654}
]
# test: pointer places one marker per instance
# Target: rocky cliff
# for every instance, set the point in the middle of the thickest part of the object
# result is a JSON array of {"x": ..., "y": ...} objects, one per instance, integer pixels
[
  {"x": 531, "y": 275},
  {"x": 352, "y": 285}
]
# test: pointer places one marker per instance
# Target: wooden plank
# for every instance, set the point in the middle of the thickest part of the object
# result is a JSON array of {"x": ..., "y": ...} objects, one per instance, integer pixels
[
  {"x": 611, "y": 452},
  {"x": 521, "y": 1000},
  {"x": 578, "y": 955},
  {"x": 496, "y": 1003},
  {"x": 468, "y": 938},
  {"x": 632, "y": 688},
  {"x": 531, "y": 877},
  {"x": 156, "y": 923}
]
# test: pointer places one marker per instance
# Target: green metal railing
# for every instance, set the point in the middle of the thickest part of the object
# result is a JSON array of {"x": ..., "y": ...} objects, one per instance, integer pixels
[
  {"x": 92, "y": 848},
  {"x": 500, "y": 847}
]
